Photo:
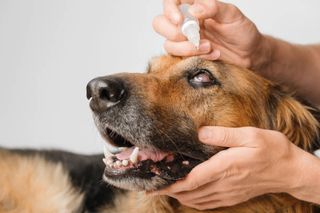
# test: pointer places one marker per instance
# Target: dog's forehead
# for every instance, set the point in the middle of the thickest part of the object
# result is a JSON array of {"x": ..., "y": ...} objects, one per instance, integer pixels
[
  {"x": 164, "y": 64},
  {"x": 168, "y": 66}
]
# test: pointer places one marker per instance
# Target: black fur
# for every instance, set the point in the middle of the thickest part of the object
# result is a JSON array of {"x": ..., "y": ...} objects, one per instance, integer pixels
[{"x": 85, "y": 173}]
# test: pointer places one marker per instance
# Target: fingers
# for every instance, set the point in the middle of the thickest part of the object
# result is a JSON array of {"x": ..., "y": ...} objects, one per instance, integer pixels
[
  {"x": 171, "y": 10},
  {"x": 199, "y": 176},
  {"x": 186, "y": 48},
  {"x": 229, "y": 137},
  {"x": 199, "y": 195},
  {"x": 167, "y": 29},
  {"x": 203, "y": 9},
  {"x": 212, "y": 204},
  {"x": 219, "y": 11},
  {"x": 214, "y": 55}
]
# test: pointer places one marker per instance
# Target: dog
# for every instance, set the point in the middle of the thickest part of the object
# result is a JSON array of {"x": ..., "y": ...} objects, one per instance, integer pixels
[{"x": 149, "y": 122}]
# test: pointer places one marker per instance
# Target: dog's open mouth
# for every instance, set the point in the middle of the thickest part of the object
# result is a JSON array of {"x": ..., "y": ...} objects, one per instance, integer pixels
[{"x": 125, "y": 160}]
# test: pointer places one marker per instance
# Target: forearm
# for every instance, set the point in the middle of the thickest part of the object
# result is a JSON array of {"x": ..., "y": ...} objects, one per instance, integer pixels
[
  {"x": 306, "y": 178},
  {"x": 297, "y": 66}
]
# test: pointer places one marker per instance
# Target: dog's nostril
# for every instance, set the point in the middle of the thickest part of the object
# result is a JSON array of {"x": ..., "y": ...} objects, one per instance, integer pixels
[
  {"x": 113, "y": 94},
  {"x": 109, "y": 95},
  {"x": 105, "y": 92}
]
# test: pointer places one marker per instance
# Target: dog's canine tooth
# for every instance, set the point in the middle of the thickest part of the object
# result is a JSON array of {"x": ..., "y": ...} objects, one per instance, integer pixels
[
  {"x": 105, "y": 161},
  {"x": 125, "y": 163},
  {"x": 134, "y": 155},
  {"x": 105, "y": 152}
]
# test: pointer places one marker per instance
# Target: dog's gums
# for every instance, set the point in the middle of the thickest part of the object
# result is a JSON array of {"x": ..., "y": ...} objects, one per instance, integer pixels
[
  {"x": 123, "y": 160},
  {"x": 150, "y": 123}
]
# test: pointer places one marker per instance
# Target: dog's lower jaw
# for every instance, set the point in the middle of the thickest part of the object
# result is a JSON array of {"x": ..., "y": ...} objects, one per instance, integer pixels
[{"x": 138, "y": 184}]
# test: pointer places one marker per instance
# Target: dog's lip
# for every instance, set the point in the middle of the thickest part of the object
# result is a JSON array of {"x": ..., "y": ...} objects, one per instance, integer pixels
[
  {"x": 152, "y": 162},
  {"x": 113, "y": 148},
  {"x": 147, "y": 169}
]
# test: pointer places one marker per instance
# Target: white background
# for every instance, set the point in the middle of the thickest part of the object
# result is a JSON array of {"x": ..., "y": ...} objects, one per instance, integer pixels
[{"x": 50, "y": 49}]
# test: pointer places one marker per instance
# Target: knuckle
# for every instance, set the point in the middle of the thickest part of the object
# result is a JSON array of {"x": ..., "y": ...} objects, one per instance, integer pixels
[
  {"x": 193, "y": 185},
  {"x": 225, "y": 135},
  {"x": 175, "y": 36},
  {"x": 167, "y": 47},
  {"x": 232, "y": 8},
  {"x": 155, "y": 22},
  {"x": 212, "y": 7},
  {"x": 252, "y": 133},
  {"x": 182, "y": 198},
  {"x": 189, "y": 52}
]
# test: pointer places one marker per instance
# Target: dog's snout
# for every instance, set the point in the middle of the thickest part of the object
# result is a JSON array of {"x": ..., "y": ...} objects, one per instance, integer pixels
[{"x": 105, "y": 93}]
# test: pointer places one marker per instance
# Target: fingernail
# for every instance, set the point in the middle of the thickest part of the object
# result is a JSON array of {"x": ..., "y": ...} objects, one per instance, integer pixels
[
  {"x": 204, "y": 133},
  {"x": 196, "y": 9},
  {"x": 205, "y": 47}
]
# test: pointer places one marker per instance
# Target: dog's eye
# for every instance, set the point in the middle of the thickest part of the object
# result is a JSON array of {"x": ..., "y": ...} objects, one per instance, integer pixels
[{"x": 201, "y": 78}]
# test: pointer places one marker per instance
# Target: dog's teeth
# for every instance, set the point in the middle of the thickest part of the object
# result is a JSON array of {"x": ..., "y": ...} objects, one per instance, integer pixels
[
  {"x": 122, "y": 148},
  {"x": 125, "y": 163},
  {"x": 109, "y": 161},
  {"x": 105, "y": 161},
  {"x": 185, "y": 162},
  {"x": 118, "y": 163},
  {"x": 106, "y": 152},
  {"x": 134, "y": 155}
]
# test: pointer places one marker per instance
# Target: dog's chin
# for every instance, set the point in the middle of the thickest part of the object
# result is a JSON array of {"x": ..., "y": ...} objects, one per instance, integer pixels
[{"x": 138, "y": 184}]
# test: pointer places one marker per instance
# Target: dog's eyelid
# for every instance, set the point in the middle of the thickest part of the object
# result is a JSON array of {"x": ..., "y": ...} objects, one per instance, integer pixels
[{"x": 201, "y": 77}]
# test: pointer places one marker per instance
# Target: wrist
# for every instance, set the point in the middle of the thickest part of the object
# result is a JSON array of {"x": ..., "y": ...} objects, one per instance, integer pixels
[
  {"x": 262, "y": 57},
  {"x": 304, "y": 183}
]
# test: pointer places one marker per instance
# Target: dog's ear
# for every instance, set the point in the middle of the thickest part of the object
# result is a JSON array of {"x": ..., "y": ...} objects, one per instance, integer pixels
[{"x": 293, "y": 118}]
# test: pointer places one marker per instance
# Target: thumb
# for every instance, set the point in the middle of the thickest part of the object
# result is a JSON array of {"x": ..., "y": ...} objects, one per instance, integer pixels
[
  {"x": 219, "y": 11},
  {"x": 223, "y": 136}
]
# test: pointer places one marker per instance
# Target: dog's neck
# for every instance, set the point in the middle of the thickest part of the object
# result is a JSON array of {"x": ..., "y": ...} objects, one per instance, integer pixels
[{"x": 300, "y": 123}]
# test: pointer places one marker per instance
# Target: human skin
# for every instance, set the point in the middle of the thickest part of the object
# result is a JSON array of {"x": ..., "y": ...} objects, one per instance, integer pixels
[
  {"x": 230, "y": 36},
  {"x": 245, "y": 170},
  {"x": 227, "y": 34}
]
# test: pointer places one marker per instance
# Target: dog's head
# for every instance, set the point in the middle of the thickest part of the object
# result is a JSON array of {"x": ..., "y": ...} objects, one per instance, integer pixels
[{"x": 150, "y": 121}]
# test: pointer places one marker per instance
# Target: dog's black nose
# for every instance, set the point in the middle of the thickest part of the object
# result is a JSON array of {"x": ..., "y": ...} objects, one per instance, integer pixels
[{"x": 104, "y": 92}]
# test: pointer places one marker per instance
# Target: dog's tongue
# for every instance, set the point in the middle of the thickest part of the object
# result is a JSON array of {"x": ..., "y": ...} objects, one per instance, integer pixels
[{"x": 144, "y": 154}]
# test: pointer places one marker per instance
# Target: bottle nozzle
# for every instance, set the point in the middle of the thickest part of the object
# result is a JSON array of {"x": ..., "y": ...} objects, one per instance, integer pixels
[{"x": 190, "y": 27}]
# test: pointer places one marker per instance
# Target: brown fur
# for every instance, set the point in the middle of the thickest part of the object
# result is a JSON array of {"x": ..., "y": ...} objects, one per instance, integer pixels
[
  {"x": 261, "y": 103},
  {"x": 32, "y": 184}
]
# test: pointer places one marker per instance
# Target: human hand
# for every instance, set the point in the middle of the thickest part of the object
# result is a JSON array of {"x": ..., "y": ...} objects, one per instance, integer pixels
[
  {"x": 226, "y": 33},
  {"x": 258, "y": 162}
]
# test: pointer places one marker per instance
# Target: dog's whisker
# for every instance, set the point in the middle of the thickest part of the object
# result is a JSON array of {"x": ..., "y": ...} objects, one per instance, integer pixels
[{"x": 171, "y": 141}]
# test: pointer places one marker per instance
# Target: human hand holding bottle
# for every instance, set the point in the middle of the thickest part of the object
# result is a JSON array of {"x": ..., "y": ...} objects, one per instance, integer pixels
[{"x": 225, "y": 32}]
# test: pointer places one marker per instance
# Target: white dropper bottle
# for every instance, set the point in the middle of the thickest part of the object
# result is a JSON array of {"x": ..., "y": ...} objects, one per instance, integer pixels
[{"x": 190, "y": 26}]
